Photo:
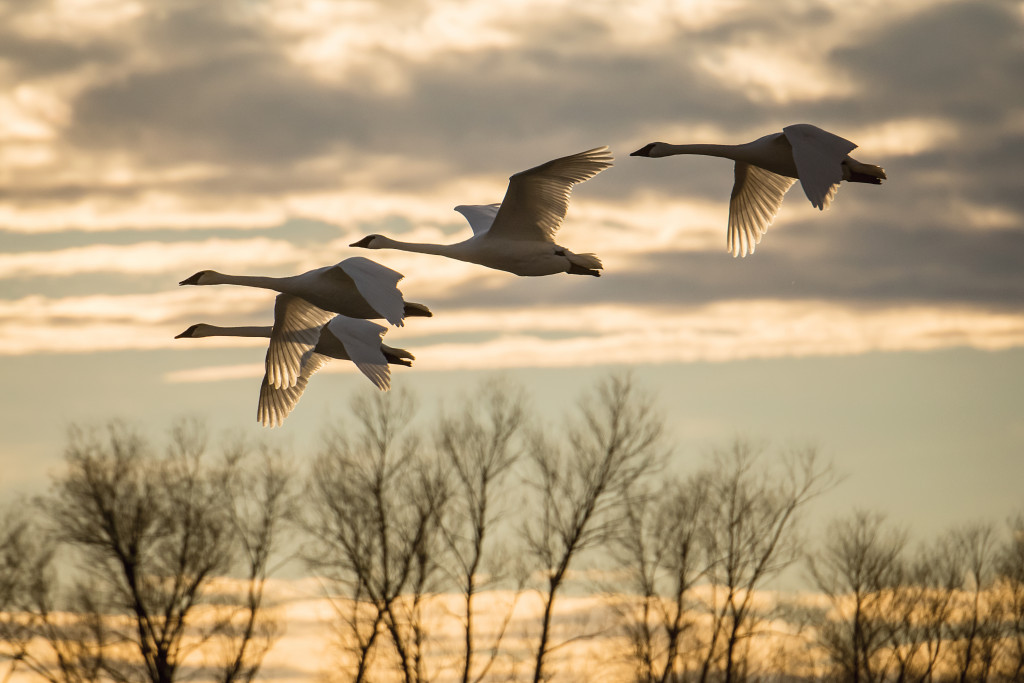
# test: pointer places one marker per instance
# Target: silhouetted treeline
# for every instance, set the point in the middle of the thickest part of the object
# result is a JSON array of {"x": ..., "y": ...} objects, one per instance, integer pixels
[{"x": 147, "y": 564}]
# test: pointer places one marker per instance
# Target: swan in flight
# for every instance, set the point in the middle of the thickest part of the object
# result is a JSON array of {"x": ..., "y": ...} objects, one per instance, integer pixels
[
  {"x": 341, "y": 337},
  {"x": 357, "y": 287},
  {"x": 518, "y": 235},
  {"x": 767, "y": 167}
]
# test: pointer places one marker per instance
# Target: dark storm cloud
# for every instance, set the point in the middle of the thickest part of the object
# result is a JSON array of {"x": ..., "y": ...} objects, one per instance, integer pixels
[
  {"x": 258, "y": 107},
  {"x": 960, "y": 59},
  {"x": 225, "y": 93},
  {"x": 33, "y": 57},
  {"x": 990, "y": 172},
  {"x": 213, "y": 86},
  {"x": 234, "y": 110},
  {"x": 218, "y": 87}
]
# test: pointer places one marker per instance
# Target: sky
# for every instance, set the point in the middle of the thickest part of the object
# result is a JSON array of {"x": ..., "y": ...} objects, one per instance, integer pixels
[{"x": 142, "y": 141}]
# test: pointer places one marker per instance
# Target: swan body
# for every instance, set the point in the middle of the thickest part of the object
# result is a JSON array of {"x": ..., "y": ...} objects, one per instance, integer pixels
[
  {"x": 356, "y": 287},
  {"x": 518, "y": 234},
  {"x": 341, "y": 337},
  {"x": 767, "y": 167}
]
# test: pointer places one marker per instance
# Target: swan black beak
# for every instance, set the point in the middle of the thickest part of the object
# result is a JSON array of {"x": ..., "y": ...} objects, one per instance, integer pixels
[
  {"x": 193, "y": 280},
  {"x": 186, "y": 333},
  {"x": 644, "y": 151}
]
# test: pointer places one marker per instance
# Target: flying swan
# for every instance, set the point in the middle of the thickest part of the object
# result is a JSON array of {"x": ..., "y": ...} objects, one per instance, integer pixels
[
  {"x": 356, "y": 287},
  {"x": 341, "y": 337},
  {"x": 518, "y": 235},
  {"x": 767, "y": 167}
]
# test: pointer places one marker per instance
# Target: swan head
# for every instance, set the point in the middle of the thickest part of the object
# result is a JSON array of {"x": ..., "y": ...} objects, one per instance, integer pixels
[
  {"x": 203, "y": 277},
  {"x": 652, "y": 149},
  {"x": 197, "y": 330},
  {"x": 370, "y": 242}
]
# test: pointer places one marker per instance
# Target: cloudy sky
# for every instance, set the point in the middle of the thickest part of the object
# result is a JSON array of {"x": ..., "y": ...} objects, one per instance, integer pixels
[{"x": 143, "y": 140}]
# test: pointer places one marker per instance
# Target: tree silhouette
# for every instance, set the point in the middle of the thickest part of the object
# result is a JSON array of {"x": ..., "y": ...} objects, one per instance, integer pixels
[
  {"x": 153, "y": 534},
  {"x": 59, "y": 638},
  {"x": 659, "y": 550},
  {"x": 581, "y": 484},
  {"x": 1010, "y": 568},
  {"x": 479, "y": 444},
  {"x": 976, "y": 627},
  {"x": 749, "y": 536},
  {"x": 859, "y": 570},
  {"x": 374, "y": 513},
  {"x": 147, "y": 563}
]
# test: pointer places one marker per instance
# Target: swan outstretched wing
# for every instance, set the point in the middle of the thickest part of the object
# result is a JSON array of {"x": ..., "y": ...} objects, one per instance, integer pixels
[
  {"x": 818, "y": 156},
  {"x": 480, "y": 216},
  {"x": 756, "y": 197},
  {"x": 536, "y": 199},
  {"x": 296, "y": 330},
  {"x": 362, "y": 342},
  {"x": 379, "y": 286}
]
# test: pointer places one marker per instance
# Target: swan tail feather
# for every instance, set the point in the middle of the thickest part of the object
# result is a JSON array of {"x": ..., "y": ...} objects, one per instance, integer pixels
[
  {"x": 413, "y": 310},
  {"x": 397, "y": 356},
  {"x": 856, "y": 172},
  {"x": 583, "y": 264}
]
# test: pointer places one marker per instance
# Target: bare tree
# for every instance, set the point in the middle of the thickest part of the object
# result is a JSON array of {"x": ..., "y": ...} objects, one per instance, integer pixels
[
  {"x": 859, "y": 570},
  {"x": 903, "y": 611},
  {"x": 374, "y": 509},
  {"x": 262, "y": 499},
  {"x": 582, "y": 484},
  {"x": 61, "y": 646},
  {"x": 750, "y": 536},
  {"x": 1011, "y": 573},
  {"x": 975, "y": 631},
  {"x": 659, "y": 551},
  {"x": 935, "y": 576},
  {"x": 154, "y": 534},
  {"x": 479, "y": 444},
  {"x": 20, "y": 560}
]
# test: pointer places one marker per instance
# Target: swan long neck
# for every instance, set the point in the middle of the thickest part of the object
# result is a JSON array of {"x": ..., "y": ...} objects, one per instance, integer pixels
[
  {"x": 416, "y": 247},
  {"x": 711, "y": 150},
  {"x": 243, "y": 331},
  {"x": 262, "y": 281}
]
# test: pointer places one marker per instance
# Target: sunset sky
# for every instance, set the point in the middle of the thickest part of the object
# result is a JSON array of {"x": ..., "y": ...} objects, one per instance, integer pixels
[{"x": 142, "y": 141}]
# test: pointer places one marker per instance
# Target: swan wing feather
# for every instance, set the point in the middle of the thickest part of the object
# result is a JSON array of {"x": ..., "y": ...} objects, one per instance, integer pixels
[
  {"x": 295, "y": 333},
  {"x": 818, "y": 156},
  {"x": 277, "y": 402},
  {"x": 480, "y": 216},
  {"x": 537, "y": 199},
  {"x": 362, "y": 341},
  {"x": 379, "y": 286},
  {"x": 756, "y": 197}
]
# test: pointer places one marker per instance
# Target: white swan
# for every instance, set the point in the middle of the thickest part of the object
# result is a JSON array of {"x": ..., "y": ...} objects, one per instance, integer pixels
[
  {"x": 767, "y": 167},
  {"x": 356, "y": 287},
  {"x": 518, "y": 235},
  {"x": 344, "y": 338}
]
